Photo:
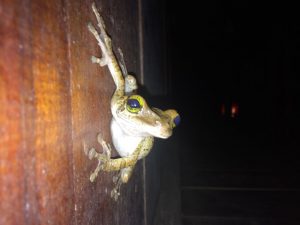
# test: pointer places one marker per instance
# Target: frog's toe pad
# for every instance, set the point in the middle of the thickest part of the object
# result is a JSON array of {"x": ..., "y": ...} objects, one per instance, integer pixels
[
  {"x": 93, "y": 177},
  {"x": 101, "y": 61},
  {"x": 114, "y": 194},
  {"x": 100, "y": 138},
  {"x": 92, "y": 153}
]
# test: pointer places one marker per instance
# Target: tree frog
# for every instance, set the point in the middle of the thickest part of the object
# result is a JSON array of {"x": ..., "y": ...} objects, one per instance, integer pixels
[{"x": 134, "y": 124}]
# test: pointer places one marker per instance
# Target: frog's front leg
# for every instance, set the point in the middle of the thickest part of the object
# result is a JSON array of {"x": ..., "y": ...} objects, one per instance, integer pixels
[
  {"x": 103, "y": 61},
  {"x": 105, "y": 162},
  {"x": 124, "y": 164}
]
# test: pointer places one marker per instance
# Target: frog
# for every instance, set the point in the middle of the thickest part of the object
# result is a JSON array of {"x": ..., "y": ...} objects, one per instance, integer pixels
[{"x": 134, "y": 124}]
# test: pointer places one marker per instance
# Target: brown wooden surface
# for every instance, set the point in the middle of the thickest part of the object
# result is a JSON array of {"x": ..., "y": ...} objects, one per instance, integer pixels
[{"x": 53, "y": 100}]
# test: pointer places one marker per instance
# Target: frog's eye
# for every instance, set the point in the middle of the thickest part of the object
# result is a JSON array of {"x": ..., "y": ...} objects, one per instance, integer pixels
[
  {"x": 177, "y": 120},
  {"x": 134, "y": 103}
]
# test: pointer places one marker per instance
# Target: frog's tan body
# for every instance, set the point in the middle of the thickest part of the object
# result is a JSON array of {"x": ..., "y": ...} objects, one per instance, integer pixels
[{"x": 134, "y": 125}]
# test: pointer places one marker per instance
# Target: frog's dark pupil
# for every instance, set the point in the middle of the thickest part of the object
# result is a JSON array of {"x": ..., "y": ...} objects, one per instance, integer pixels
[
  {"x": 177, "y": 120},
  {"x": 133, "y": 103}
]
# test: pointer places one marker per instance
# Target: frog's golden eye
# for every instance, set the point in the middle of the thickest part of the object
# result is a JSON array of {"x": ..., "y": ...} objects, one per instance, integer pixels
[{"x": 134, "y": 103}]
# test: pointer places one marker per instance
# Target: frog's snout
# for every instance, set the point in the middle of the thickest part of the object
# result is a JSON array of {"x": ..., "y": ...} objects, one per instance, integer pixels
[{"x": 164, "y": 131}]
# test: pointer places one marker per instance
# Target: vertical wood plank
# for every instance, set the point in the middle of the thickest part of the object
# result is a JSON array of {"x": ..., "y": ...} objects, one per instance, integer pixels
[
  {"x": 91, "y": 89},
  {"x": 28, "y": 149},
  {"x": 50, "y": 71},
  {"x": 11, "y": 168}
]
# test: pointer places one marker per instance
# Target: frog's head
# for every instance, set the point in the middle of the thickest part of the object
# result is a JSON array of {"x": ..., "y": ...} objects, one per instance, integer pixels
[{"x": 138, "y": 119}]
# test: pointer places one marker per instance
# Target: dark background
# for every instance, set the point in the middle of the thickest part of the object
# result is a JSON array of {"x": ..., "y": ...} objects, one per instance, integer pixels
[
  {"x": 241, "y": 169},
  {"x": 243, "y": 52}
]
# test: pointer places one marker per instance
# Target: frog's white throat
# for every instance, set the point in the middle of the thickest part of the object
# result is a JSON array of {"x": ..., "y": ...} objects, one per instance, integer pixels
[{"x": 124, "y": 143}]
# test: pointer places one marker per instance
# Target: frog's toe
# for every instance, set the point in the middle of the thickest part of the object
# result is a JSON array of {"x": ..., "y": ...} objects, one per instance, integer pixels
[
  {"x": 100, "y": 139},
  {"x": 115, "y": 194},
  {"x": 93, "y": 177},
  {"x": 92, "y": 153},
  {"x": 101, "y": 61},
  {"x": 105, "y": 146},
  {"x": 101, "y": 162}
]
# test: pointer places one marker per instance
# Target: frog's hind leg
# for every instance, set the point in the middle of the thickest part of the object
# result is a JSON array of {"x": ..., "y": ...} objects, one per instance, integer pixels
[
  {"x": 108, "y": 58},
  {"x": 122, "y": 177},
  {"x": 103, "y": 39}
]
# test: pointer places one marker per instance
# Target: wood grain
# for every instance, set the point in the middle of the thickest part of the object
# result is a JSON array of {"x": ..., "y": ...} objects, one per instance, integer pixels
[
  {"x": 11, "y": 164},
  {"x": 53, "y": 101}
]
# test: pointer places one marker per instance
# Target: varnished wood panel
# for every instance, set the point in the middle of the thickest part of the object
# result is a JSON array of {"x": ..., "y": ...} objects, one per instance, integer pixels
[
  {"x": 52, "y": 136},
  {"x": 53, "y": 101},
  {"x": 12, "y": 175}
]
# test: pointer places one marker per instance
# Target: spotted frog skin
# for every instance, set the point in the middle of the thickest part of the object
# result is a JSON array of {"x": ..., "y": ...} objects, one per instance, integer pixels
[{"x": 134, "y": 124}]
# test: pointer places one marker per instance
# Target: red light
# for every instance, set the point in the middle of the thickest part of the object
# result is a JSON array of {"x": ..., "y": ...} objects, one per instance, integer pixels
[{"x": 234, "y": 110}]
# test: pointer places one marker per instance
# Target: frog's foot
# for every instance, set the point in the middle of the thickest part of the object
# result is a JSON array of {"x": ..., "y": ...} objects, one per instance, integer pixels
[
  {"x": 122, "y": 177},
  {"x": 103, "y": 158},
  {"x": 104, "y": 59},
  {"x": 103, "y": 39}
]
